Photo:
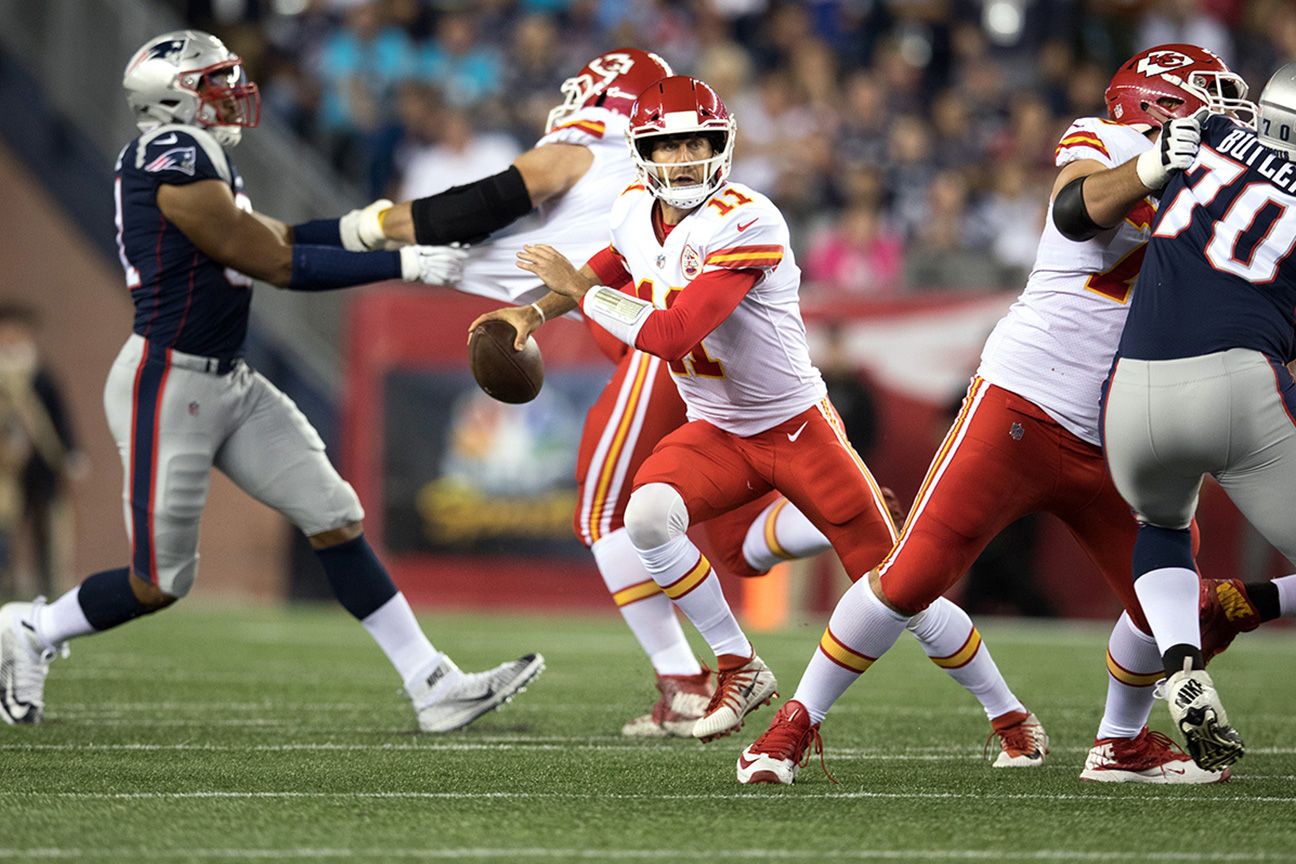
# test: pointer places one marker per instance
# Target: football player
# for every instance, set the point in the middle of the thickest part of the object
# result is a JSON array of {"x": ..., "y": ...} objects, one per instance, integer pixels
[
  {"x": 180, "y": 399},
  {"x": 573, "y": 176},
  {"x": 1201, "y": 385},
  {"x": 1027, "y": 438}
]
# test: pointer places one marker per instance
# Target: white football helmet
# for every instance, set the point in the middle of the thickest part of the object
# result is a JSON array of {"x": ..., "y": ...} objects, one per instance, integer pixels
[
  {"x": 1277, "y": 111},
  {"x": 188, "y": 76}
]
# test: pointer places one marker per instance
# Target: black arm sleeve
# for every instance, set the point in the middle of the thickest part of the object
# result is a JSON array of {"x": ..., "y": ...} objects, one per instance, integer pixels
[
  {"x": 469, "y": 213},
  {"x": 1070, "y": 214}
]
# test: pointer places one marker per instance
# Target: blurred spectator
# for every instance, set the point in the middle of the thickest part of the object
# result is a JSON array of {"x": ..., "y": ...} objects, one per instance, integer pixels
[
  {"x": 1189, "y": 21},
  {"x": 454, "y": 153},
  {"x": 455, "y": 61},
  {"x": 536, "y": 68},
  {"x": 942, "y": 254},
  {"x": 1009, "y": 221},
  {"x": 857, "y": 257},
  {"x": 37, "y": 455}
]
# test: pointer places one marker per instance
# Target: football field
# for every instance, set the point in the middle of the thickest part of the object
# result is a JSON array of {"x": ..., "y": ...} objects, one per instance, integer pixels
[{"x": 216, "y": 735}]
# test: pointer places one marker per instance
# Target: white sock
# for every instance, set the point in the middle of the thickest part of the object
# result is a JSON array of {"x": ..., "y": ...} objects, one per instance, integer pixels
[
  {"x": 1169, "y": 597},
  {"x": 860, "y": 630},
  {"x": 62, "y": 620},
  {"x": 648, "y": 612},
  {"x": 686, "y": 576},
  {"x": 1286, "y": 595},
  {"x": 953, "y": 643},
  {"x": 781, "y": 533},
  {"x": 393, "y": 626},
  {"x": 1133, "y": 666}
]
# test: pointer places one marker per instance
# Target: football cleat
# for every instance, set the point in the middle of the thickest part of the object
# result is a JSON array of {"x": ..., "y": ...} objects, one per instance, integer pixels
[
  {"x": 1149, "y": 757},
  {"x": 1197, "y": 713},
  {"x": 777, "y": 755},
  {"x": 447, "y": 698},
  {"x": 738, "y": 693},
  {"x": 683, "y": 700},
  {"x": 1023, "y": 743},
  {"x": 24, "y": 663},
  {"x": 1225, "y": 611}
]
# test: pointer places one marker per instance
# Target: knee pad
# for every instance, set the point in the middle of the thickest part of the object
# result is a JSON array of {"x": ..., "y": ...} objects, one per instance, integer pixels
[
  {"x": 336, "y": 506},
  {"x": 655, "y": 515}
]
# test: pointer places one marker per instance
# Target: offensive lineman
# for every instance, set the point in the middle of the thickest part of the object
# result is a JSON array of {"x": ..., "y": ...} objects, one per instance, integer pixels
[
  {"x": 1201, "y": 384},
  {"x": 180, "y": 400},
  {"x": 1027, "y": 439}
]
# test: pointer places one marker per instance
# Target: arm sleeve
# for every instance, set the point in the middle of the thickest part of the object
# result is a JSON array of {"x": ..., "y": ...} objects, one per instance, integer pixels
[
  {"x": 702, "y": 306},
  {"x": 609, "y": 267}
]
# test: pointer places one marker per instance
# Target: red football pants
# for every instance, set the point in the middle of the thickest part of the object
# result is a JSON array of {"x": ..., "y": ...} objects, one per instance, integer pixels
[
  {"x": 807, "y": 458},
  {"x": 1002, "y": 459}
]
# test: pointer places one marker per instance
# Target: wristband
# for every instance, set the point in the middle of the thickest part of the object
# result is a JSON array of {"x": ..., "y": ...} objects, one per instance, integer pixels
[{"x": 540, "y": 312}]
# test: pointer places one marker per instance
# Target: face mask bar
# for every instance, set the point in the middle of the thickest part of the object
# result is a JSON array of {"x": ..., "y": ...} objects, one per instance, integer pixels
[
  {"x": 1224, "y": 93},
  {"x": 226, "y": 97}
]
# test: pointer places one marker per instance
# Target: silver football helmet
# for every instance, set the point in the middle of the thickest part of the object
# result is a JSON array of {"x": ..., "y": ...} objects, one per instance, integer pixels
[
  {"x": 1277, "y": 111},
  {"x": 188, "y": 76}
]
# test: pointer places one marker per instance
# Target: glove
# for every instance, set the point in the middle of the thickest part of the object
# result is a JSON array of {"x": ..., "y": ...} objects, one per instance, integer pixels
[
  {"x": 434, "y": 265},
  {"x": 360, "y": 229},
  {"x": 1180, "y": 141}
]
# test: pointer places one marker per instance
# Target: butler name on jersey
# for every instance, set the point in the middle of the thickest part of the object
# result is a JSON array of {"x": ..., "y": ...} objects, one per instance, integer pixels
[{"x": 753, "y": 370}]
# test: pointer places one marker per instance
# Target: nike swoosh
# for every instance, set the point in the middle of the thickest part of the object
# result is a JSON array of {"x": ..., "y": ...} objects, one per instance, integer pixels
[
  {"x": 744, "y": 226},
  {"x": 793, "y": 436},
  {"x": 173, "y": 139},
  {"x": 744, "y": 763}
]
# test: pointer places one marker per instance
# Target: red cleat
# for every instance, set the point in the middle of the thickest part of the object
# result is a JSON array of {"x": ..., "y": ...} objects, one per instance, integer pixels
[
  {"x": 1225, "y": 611},
  {"x": 780, "y": 753},
  {"x": 683, "y": 700},
  {"x": 1150, "y": 757}
]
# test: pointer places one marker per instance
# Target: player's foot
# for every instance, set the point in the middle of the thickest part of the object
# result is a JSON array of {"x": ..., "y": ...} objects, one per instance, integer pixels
[
  {"x": 447, "y": 698},
  {"x": 739, "y": 692},
  {"x": 1023, "y": 743},
  {"x": 683, "y": 700},
  {"x": 780, "y": 753},
  {"x": 1197, "y": 713},
  {"x": 23, "y": 663},
  {"x": 1150, "y": 757},
  {"x": 1225, "y": 611}
]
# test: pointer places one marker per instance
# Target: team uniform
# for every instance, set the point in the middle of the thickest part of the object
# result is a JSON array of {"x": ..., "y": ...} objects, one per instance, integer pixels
[
  {"x": 179, "y": 397},
  {"x": 1201, "y": 384},
  {"x": 1027, "y": 437},
  {"x": 759, "y": 417}
]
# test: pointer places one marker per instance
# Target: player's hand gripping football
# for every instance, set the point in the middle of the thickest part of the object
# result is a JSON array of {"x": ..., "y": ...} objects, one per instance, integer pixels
[
  {"x": 558, "y": 274},
  {"x": 362, "y": 231},
  {"x": 434, "y": 265},
  {"x": 1178, "y": 146},
  {"x": 525, "y": 320}
]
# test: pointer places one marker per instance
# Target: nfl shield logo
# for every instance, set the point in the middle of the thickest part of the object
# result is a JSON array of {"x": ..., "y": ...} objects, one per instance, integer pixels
[{"x": 193, "y": 409}]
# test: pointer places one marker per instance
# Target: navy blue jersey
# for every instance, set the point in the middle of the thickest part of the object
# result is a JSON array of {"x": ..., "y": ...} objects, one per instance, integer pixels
[
  {"x": 183, "y": 299},
  {"x": 1219, "y": 271}
]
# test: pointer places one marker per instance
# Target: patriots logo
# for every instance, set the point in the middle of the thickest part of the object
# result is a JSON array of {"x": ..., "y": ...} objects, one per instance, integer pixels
[
  {"x": 168, "y": 50},
  {"x": 1160, "y": 62},
  {"x": 182, "y": 159}
]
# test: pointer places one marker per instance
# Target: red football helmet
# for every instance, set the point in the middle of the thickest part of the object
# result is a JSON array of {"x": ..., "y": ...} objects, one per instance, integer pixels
[
  {"x": 674, "y": 106},
  {"x": 1193, "y": 76},
  {"x": 612, "y": 80}
]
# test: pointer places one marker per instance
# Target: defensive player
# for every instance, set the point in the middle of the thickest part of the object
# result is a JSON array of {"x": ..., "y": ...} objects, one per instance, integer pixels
[
  {"x": 1201, "y": 384},
  {"x": 180, "y": 399},
  {"x": 573, "y": 175},
  {"x": 1027, "y": 438}
]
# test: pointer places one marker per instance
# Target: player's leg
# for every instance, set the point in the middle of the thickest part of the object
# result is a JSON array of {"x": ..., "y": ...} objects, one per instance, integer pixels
[
  {"x": 1163, "y": 430},
  {"x": 973, "y": 489},
  {"x": 697, "y": 473},
  {"x": 637, "y": 408},
  {"x": 166, "y": 459},
  {"x": 277, "y": 457}
]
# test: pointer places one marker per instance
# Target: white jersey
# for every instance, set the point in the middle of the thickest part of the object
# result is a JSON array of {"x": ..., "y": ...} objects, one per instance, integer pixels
[
  {"x": 754, "y": 370},
  {"x": 575, "y": 223},
  {"x": 1056, "y": 344}
]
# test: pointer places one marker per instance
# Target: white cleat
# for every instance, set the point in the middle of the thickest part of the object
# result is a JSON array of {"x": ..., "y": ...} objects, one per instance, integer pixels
[
  {"x": 1197, "y": 713},
  {"x": 1023, "y": 743},
  {"x": 778, "y": 755},
  {"x": 684, "y": 698},
  {"x": 738, "y": 693},
  {"x": 1149, "y": 757},
  {"x": 447, "y": 698},
  {"x": 23, "y": 664}
]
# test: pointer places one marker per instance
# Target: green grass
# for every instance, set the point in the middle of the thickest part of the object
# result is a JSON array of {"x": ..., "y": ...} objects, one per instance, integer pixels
[{"x": 211, "y": 735}]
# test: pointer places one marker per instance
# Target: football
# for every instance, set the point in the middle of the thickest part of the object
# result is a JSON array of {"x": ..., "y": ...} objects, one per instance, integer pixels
[{"x": 502, "y": 372}]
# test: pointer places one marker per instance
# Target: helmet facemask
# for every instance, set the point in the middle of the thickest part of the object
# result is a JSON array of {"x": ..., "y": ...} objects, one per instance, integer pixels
[
  {"x": 1222, "y": 93},
  {"x": 709, "y": 174},
  {"x": 227, "y": 101}
]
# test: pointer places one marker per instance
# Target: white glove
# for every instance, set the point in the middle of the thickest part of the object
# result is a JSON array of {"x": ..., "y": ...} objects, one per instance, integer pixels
[
  {"x": 1180, "y": 141},
  {"x": 434, "y": 265},
  {"x": 361, "y": 230}
]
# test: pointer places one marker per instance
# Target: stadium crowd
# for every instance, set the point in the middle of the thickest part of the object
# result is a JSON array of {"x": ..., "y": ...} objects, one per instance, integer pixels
[{"x": 923, "y": 130}]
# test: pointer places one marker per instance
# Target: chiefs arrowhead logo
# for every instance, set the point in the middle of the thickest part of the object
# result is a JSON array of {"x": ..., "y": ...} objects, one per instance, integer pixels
[{"x": 1160, "y": 62}]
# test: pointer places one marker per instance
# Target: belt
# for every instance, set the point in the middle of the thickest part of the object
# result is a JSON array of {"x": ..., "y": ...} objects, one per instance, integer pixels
[{"x": 196, "y": 362}]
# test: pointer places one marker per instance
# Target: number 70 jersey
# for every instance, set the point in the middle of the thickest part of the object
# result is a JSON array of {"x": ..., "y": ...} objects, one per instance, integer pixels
[
  {"x": 753, "y": 371},
  {"x": 1219, "y": 271}
]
